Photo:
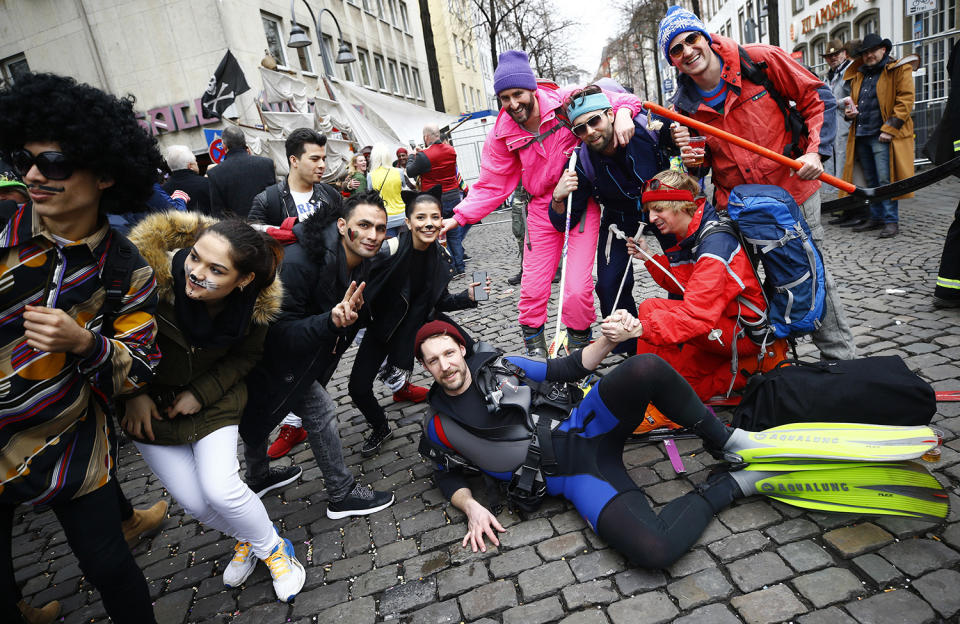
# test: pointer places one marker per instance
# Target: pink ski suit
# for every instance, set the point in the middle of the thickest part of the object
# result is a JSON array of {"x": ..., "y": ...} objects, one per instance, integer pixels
[{"x": 511, "y": 153}]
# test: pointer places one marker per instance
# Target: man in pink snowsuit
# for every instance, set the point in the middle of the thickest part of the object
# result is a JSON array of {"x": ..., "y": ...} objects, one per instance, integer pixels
[{"x": 529, "y": 141}]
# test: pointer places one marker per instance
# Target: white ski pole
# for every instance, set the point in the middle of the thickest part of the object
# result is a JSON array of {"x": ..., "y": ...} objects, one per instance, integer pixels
[
  {"x": 563, "y": 262},
  {"x": 619, "y": 234}
]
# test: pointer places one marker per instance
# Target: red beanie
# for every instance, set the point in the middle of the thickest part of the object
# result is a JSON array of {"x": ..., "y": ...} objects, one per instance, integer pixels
[{"x": 437, "y": 328}]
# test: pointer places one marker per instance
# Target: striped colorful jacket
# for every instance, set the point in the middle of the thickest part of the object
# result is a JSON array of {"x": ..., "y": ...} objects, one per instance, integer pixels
[{"x": 53, "y": 427}]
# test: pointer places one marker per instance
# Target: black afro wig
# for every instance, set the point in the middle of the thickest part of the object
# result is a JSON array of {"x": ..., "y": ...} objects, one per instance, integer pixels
[{"x": 96, "y": 130}]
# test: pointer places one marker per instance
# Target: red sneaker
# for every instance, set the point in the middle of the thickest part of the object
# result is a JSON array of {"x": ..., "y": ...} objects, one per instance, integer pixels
[
  {"x": 410, "y": 392},
  {"x": 288, "y": 438}
]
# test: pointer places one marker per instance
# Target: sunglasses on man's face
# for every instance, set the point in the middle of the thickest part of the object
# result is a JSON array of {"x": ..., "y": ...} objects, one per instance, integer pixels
[
  {"x": 580, "y": 129},
  {"x": 690, "y": 41},
  {"x": 52, "y": 165}
]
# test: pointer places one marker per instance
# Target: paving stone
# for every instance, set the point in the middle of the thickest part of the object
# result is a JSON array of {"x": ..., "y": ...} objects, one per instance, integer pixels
[
  {"x": 439, "y": 613},
  {"x": 758, "y": 570},
  {"x": 775, "y": 604},
  {"x": 903, "y": 528},
  {"x": 750, "y": 516},
  {"x": 893, "y": 607},
  {"x": 918, "y": 556},
  {"x": 525, "y": 533},
  {"x": 639, "y": 580},
  {"x": 833, "y": 615},
  {"x": 568, "y": 521},
  {"x": 649, "y": 608},
  {"x": 596, "y": 564},
  {"x": 488, "y": 599},
  {"x": 169, "y": 608},
  {"x": 691, "y": 562},
  {"x": 206, "y": 608},
  {"x": 856, "y": 540},
  {"x": 805, "y": 555},
  {"x": 566, "y": 545},
  {"x": 592, "y": 616},
  {"x": 546, "y": 579},
  {"x": 667, "y": 491},
  {"x": 425, "y": 565},
  {"x": 408, "y": 595},
  {"x": 397, "y": 551},
  {"x": 715, "y": 531},
  {"x": 738, "y": 545},
  {"x": 599, "y": 591},
  {"x": 829, "y": 586},
  {"x": 444, "y": 536},
  {"x": 311, "y": 602},
  {"x": 710, "y": 614},
  {"x": 792, "y": 530},
  {"x": 546, "y": 610},
  {"x": 700, "y": 589},
  {"x": 358, "y": 611},
  {"x": 376, "y": 580},
  {"x": 940, "y": 589},
  {"x": 422, "y": 522},
  {"x": 514, "y": 561},
  {"x": 877, "y": 570},
  {"x": 345, "y": 568},
  {"x": 458, "y": 580}
]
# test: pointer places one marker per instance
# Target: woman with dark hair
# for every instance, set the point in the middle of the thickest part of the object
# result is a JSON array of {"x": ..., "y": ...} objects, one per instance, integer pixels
[
  {"x": 218, "y": 294},
  {"x": 413, "y": 287}
]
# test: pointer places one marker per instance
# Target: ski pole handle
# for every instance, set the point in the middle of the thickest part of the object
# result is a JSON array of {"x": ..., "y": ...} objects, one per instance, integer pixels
[{"x": 843, "y": 185}]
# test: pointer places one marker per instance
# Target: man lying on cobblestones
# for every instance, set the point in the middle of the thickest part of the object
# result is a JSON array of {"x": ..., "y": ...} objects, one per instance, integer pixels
[
  {"x": 481, "y": 417},
  {"x": 331, "y": 257}
]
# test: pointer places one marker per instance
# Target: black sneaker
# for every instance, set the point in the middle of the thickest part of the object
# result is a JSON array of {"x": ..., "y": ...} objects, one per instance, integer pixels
[
  {"x": 276, "y": 478},
  {"x": 513, "y": 281},
  {"x": 374, "y": 441},
  {"x": 361, "y": 501}
]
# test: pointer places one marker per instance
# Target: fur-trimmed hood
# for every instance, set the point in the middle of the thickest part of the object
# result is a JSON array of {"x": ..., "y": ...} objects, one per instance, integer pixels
[{"x": 160, "y": 234}]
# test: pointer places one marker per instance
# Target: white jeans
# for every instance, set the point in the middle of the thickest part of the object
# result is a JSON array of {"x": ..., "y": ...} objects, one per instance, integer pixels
[{"x": 204, "y": 477}]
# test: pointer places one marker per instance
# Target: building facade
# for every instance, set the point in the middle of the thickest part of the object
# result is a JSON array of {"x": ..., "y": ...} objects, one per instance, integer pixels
[
  {"x": 164, "y": 52},
  {"x": 464, "y": 73}
]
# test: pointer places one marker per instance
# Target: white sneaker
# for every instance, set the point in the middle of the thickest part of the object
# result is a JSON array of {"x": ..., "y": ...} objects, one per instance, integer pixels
[
  {"x": 288, "y": 575},
  {"x": 240, "y": 567}
]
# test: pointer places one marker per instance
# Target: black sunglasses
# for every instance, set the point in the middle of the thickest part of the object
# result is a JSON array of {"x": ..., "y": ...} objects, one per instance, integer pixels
[
  {"x": 690, "y": 40},
  {"x": 581, "y": 128},
  {"x": 52, "y": 165},
  {"x": 655, "y": 185}
]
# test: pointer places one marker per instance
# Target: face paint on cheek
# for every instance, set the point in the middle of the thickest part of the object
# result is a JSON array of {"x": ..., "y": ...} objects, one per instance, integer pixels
[
  {"x": 207, "y": 284},
  {"x": 351, "y": 235}
]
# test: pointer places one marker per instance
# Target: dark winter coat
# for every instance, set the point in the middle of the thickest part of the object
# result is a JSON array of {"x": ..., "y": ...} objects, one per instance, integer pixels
[
  {"x": 236, "y": 181},
  {"x": 194, "y": 185},
  {"x": 266, "y": 209}
]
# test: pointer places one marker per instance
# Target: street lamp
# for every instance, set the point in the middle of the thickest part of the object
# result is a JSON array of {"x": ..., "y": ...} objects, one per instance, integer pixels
[{"x": 299, "y": 39}]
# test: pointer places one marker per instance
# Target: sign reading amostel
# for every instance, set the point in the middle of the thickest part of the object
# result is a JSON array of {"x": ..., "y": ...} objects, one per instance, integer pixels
[{"x": 174, "y": 118}]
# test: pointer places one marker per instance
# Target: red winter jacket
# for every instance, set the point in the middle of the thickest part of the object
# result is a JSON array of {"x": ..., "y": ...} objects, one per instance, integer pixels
[
  {"x": 751, "y": 113},
  {"x": 713, "y": 275}
]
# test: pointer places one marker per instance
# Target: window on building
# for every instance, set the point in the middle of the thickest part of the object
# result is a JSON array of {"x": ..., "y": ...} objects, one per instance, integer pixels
[
  {"x": 380, "y": 12},
  {"x": 867, "y": 24},
  {"x": 381, "y": 72},
  {"x": 329, "y": 58},
  {"x": 797, "y": 6},
  {"x": 368, "y": 5},
  {"x": 271, "y": 28},
  {"x": 817, "y": 47},
  {"x": 466, "y": 100},
  {"x": 348, "y": 68},
  {"x": 12, "y": 68},
  {"x": 363, "y": 61},
  {"x": 456, "y": 49},
  {"x": 404, "y": 16},
  {"x": 405, "y": 78},
  {"x": 728, "y": 29},
  {"x": 303, "y": 54},
  {"x": 394, "y": 79},
  {"x": 743, "y": 27},
  {"x": 800, "y": 53},
  {"x": 394, "y": 12},
  {"x": 417, "y": 87},
  {"x": 841, "y": 32}
]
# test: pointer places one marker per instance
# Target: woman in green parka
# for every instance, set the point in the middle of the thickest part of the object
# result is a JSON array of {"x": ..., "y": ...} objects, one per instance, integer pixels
[{"x": 218, "y": 292}]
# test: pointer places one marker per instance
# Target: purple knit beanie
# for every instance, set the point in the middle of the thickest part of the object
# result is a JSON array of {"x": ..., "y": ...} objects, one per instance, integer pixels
[{"x": 513, "y": 72}]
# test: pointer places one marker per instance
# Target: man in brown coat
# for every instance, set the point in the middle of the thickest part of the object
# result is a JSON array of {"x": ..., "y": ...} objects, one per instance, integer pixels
[{"x": 881, "y": 98}]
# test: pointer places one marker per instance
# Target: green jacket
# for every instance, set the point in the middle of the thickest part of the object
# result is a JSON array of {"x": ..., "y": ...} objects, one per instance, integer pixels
[{"x": 214, "y": 375}]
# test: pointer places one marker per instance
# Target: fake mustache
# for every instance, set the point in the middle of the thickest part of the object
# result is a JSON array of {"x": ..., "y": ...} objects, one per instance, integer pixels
[
  {"x": 47, "y": 189},
  {"x": 201, "y": 283}
]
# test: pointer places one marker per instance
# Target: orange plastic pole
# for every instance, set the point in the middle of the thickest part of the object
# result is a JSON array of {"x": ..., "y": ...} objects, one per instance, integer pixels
[{"x": 745, "y": 144}]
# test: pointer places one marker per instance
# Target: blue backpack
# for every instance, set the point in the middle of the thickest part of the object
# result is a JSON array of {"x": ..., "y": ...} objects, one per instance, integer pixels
[{"x": 772, "y": 230}]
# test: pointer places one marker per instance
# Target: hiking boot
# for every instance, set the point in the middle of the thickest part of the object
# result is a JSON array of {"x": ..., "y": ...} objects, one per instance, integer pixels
[
  {"x": 240, "y": 567},
  {"x": 361, "y": 501},
  {"x": 374, "y": 441},
  {"x": 577, "y": 339},
  {"x": 143, "y": 522},
  {"x": 889, "y": 230},
  {"x": 868, "y": 225},
  {"x": 410, "y": 392},
  {"x": 513, "y": 281},
  {"x": 855, "y": 222},
  {"x": 46, "y": 614},
  {"x": 534, "y": 341},
  {"x": 287, "y": 573},
  {"x": 288, "y": 438},
  {"x": 940, "y": 303},
  {"x": 275, "y": 478}
]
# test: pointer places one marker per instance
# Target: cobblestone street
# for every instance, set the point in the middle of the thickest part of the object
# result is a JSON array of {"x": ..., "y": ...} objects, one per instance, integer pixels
[{"x": 758, "y": 562}]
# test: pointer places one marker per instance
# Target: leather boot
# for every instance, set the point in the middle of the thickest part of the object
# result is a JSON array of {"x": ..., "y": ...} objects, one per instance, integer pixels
[
  {"x": 577, "y": 339},
  {"x": 868, "y": 225},
  {"x": 513, "y": 281},
  {"x": 143, "y": 521},
  {"x": 889, "y": 230},
  {"x": 534, "y": 341},
  {"x": 45, "y": 615}
]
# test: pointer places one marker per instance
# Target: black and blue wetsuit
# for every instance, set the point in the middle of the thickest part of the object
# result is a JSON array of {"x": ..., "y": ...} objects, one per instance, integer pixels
[{"x": 589, "y": 450}]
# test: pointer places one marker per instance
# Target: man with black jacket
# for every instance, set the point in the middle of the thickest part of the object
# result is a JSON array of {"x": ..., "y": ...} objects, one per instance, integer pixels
[
  {"x": 185, "y": 176},
  {"x": 301, "y": 193},
  {"x": 236, "y": 180},
  {"x": 324, "y": 274}
]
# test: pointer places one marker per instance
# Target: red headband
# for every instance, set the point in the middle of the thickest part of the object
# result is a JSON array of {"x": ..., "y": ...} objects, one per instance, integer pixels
[{"x": 664, "y": 194}]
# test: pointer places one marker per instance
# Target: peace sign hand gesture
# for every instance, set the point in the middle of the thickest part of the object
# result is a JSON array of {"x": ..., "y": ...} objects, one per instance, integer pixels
[{"x": 345, "y": 313}]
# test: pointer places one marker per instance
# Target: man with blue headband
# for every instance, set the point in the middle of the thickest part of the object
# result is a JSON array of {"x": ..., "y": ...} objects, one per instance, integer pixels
[{"x": 614, "y": 175}]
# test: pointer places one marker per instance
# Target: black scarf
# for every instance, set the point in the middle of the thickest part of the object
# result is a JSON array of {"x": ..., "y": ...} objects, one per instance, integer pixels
[{"x": 194, "y": 321}]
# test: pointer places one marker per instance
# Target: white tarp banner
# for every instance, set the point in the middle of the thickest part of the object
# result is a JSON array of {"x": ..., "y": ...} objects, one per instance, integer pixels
[
  {"x": 279, "y": 87},
  {"x": 405, "y": 120}
]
